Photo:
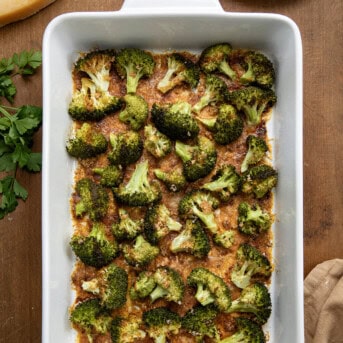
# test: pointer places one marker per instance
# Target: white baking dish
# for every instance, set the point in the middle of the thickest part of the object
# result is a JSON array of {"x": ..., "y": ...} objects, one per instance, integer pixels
[{"x": 158, "y": 25}]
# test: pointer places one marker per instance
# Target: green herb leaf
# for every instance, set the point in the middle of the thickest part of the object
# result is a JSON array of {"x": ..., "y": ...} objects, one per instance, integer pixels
[
  {"x": 34, "y": 163},
  {"x": 17, "y": 127}
]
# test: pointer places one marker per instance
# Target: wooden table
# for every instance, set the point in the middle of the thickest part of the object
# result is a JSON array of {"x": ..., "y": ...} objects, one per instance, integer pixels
[{"x": 320, "y": 23}]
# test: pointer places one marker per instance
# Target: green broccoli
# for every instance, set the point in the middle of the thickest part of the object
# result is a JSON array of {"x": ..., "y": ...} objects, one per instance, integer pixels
[
  {"x": 93, "y": 101},
  {"x": 127, "y": 148},
  {"x": 225, "y": 182},
  {"x": 199, "y": 321},
  {"x": 192, "y": 240},
  {"x": 86, "y": 143},
  {"x": 94, "y": 199},
  {"x": 253, "y": 101},
  {"x": 169, "y": 285},
  {"x": 199, "y": 159},
  {"x": 180, "y": 70},
  {"x": 257, "y": 148},
  {"x": 215, "y": 91},
  {"x": 200, "y": 205},
  {"x": 140, "y": 253},
  {"x": 134, "y": 64},
  {"x": 210, "y": 288},
  {"x": 250, "y": 262},
  {"x": 216, "y": 58},
  {"x": 91, "y": 317},
  {"x": 138, "y": 191},
  {"x": 248, "y": 332},
  {"x": 96, "y": 249},
  {"x": 110, "y": 286},
  {"x": 110, "y": 176},
  {"x": 174, "y": 180},
  {"x": 136, "y": 111},
  {"x": 258, "y": 70},
  {"x": 143, "y": 285},
  {"x": 126, "y": 330},
  {"x": 158, "y": 223},
  {"x": 225, "y": 239},
  {"x": 126, "y": 228},
  {"x": 252, "y": 220},
  {"x": 157, "y": 143},
  {"x": 161, "y": 323},
  {"x": 259, "y": 180},
  {"x": 175, "y": 120},
  {"x": 227, "y": 127},
  {"x": 254, "y": 299}
]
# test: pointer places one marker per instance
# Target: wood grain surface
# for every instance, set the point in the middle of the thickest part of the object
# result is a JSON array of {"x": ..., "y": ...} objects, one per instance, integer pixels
[{"x": 320, "y": 23}]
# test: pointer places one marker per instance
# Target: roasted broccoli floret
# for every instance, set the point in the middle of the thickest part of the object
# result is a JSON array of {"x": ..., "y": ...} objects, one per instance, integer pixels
[
  {"x": 225, "y": 239},
  {"x": 134, "y": 64},
  {"x": 126, "y": 330},
  {"x": 199, "y": 159},
  {"x": 93, "y": 101},
  {"x": 254, "y": 299},
  {"x": 225, "y": 182},
  {"x": 216, "y": 58},
  {"x": 169, "y": 285},
  {"x": 180, "y": 70},
  {"x": 252, "y": 220},
  {"x": 259, "y": 180},
  {"x": 138, "y": 191},
  {"x": 86, "y": 143},
  {"x": 110, "y": 176},
  {"x": 215, "y": 91},
  {"x": 258, "y": 70},
  {"x": 91, "y": 317},
  {"x": 257, "y": 148},
  {"x": 140, "y": 253},
  {"x": 199, "y": 321},
  {"x": 192, "y": 240},
  {"x": 127, "y": 148},
  {"x": 135, "y": 112},
  {"x": 175, "y": 120},
  {"x": 161, "y": 323},
  {"x": 143, "y": 286},
  {"x": 157, "y": 143},
  {"x": 200, "y": 204},
  {"x": 226, "y": 127},
  {"x": 174, "y": 180},
  {"x": 210, "y": 288},
  {"x": 158, "y": 223},
  {"x": 96, "y": 249},
  {"x": 126, "y": 229},
  {"x": 250, "y": 262},
  {"x": 247, "y": 332},
  {"x": 253, "y": 101},
  {"x": 110, "y": 286},
  {"x": 94, "y": 199}
]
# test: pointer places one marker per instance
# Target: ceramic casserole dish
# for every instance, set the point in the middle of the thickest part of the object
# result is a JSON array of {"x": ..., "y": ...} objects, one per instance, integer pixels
[{"x": 161, "y": 26}]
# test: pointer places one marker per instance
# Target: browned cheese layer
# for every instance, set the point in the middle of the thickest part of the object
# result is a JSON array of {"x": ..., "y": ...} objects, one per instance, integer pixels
[{"x": 220, "y": 260}]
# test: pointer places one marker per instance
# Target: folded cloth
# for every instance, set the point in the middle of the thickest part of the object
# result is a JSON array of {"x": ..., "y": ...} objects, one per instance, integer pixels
[{"x": 323, "y": 298}]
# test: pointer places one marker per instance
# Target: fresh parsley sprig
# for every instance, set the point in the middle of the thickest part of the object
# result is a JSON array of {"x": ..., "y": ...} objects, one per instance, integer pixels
[{"x": 17, "y": 127}]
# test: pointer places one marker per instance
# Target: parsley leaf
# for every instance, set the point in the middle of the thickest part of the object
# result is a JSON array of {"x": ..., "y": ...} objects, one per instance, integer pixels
[{"x": 17, "y": 127}]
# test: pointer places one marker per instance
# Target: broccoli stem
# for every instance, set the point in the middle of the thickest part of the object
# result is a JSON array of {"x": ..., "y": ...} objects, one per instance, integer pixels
[
  {"x": 207, "y": 219},
  {"x": 139, "y": 177},
  {"x": 132, "y": 81},
  {"x": 226, "y": 69},
  {"x": 157, "y": 293},
  {"x": 182, "y": 150},
  {"x": 203, "y": 295}
]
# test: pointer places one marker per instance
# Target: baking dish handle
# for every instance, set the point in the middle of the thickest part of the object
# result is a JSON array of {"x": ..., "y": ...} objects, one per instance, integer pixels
[{"x": 167, "y": 6}]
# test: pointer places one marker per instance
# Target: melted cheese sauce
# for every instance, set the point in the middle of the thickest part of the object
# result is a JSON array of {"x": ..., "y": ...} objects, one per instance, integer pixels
[{"x": 220, "y": 261}]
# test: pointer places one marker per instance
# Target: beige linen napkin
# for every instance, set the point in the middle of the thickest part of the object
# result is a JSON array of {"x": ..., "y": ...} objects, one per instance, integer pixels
[{"x": 323, "y": 296}]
